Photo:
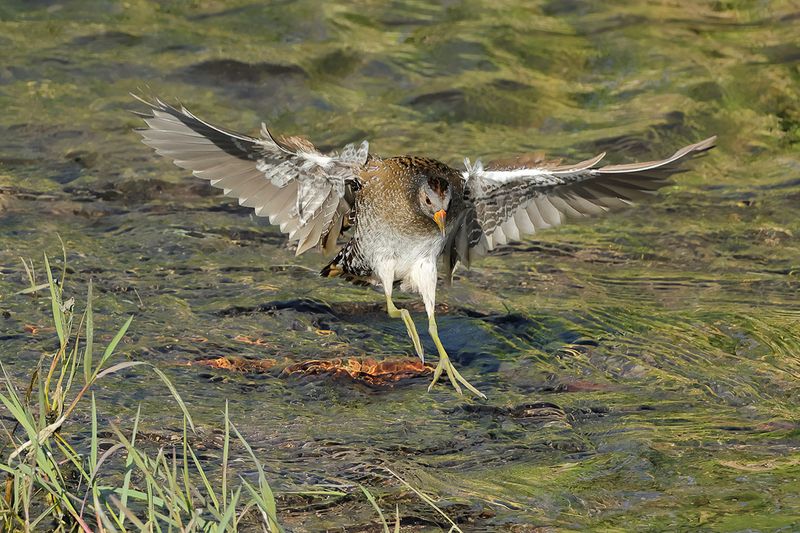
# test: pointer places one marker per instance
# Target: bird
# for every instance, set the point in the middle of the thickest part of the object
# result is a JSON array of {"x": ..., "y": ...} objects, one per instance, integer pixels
[{"x": 399, "y": 218}]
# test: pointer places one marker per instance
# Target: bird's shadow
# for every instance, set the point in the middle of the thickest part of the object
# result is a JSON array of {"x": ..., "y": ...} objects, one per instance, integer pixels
[{"x": 471, "y": 338}]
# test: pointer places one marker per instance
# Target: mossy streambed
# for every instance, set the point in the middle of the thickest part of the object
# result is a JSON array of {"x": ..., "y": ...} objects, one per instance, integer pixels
[{"x": 642, "y": 369}]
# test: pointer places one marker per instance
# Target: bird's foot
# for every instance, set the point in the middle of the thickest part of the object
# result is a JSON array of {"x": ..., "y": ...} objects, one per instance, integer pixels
[{"x": 455, "y": 377}]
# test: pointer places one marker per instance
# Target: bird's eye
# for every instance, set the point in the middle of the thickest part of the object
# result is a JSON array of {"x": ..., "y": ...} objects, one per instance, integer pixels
[{"x": 427, "y": 200}]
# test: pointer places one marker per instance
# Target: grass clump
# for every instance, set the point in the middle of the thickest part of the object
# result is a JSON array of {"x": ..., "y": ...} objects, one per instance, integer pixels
[{"x": 50, "y": 485}]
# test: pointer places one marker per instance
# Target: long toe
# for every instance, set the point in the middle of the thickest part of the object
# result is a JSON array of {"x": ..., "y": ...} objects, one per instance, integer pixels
[
  {"x": 454, "y": 376},
  {"x": 458, "y": 377}
]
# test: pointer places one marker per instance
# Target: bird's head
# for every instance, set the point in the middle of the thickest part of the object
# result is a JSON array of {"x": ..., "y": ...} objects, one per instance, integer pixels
[{"x": 434, "y": 199}]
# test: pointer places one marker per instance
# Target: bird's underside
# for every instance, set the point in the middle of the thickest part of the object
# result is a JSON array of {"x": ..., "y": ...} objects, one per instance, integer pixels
[{"x": 380, "y": 204}]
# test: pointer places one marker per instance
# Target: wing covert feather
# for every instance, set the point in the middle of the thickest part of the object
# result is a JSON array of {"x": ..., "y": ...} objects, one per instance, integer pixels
[{"x": 505, "y": 201}]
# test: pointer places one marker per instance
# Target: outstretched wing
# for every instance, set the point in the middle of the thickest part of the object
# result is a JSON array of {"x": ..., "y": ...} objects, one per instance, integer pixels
[
  {"x": 309, "y": 195},
  {"x": 506, "y": 201}
]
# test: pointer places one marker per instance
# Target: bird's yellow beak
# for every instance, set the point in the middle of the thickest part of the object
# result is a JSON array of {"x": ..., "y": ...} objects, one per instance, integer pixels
[{"x": 440, "y": 217}]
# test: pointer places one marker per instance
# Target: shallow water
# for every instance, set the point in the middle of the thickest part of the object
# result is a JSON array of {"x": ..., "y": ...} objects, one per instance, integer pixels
[{"x": 642, "y": 369}]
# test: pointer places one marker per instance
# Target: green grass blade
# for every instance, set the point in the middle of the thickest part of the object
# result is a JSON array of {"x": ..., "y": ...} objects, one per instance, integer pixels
[
  {"x": 119, "y": 366},
  {"x": 428, "y": 500},
  {"x": 14, "y": 405},
  {"x": 93, "y": 445},
  {"x": 126, "y": 482},
  {"x": 114, "y": 342},
  {"x": 264, "y": 497},
  {"x": 148, "y": 468},
  {"x": 270, "y": 518},
  {"x": 55, "y": 304},
  {"x": 225, "y": 450},
  {"x": 229, "y": 512},
  {"x": 63, "y": 263},
  {"x": 127, "y": 513},
  {"x": 33, "y": 289},
  {"x": 42, "y": 401},
  {"x": 186, "y": 484},
  {"x": 31, "y": 276},
  {"x": 175, "y": 395},
  {"x": 87, "y": 350},
  {"x": 135, "y": 494},
  {"x": 266, "y": 491},
  {"x": 375, "y": 506},
  {"x": 72, "y": 360},
  {"x": 209, "y": 489}
]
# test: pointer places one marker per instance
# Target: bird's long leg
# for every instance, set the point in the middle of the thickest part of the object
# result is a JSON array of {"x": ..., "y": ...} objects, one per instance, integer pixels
[
  {"x": 428, "y": 292},
  {"x": 394, "y": 312},
  {"x": 445, "y": 364}
]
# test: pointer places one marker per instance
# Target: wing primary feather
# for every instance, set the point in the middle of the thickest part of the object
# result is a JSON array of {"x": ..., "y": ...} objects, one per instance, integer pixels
[{"x": 306, "y": 193}]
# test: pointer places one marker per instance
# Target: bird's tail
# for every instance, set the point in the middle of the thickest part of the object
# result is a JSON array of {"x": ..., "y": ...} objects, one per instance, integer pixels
[{"x": 348, "y": 264}]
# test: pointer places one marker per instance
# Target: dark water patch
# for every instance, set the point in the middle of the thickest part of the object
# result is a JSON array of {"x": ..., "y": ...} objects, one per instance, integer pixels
[
  {"x": 268, "y": 83},
  {"x": 451, "y": 98},
  {"x": 787, "y": 184},
  {"x": 83, "y": 158},
  {"x": 352, "y": 310},
  {"x": 384, "y": 70},
  {"x": 538, "y": 412},
  {"x": 183, "y": 48},
  {"x": 540, "y": 332},
  {"x": 245, "y": 9},
  {"x": 135, "y": 192},
  {"x": 226, "y": 71},
  {"x": 510, "y": 85},
  {"x": 337, "y": 64},
  {"x": 631, "y": 145},
  {"x": 568, "y": 7},
  {"x": 707, "y": 91},
  {"x": 242, "y": 268},
  {"x": 557, "y": 384},
  {"x": 344, "y": 310},
  {"x": 782, "y": 53},
  {"x": 277, "y": 23},
  {"x": 397, "y": 20},
  {"x": 46, "y": 152},
  {"x": 107, "y": 39},
  {"x": 247, "y": 237},
  {"x": 611, "y": 24},
  {"x": 69, "y": 172},
  {"x": 58, "y": 71},
  {"x": 508, "y": 106},
  {"x": 789, "y": 17},
  {"x": 301, "y": 305},
  {"x": 456, "y": 55}
]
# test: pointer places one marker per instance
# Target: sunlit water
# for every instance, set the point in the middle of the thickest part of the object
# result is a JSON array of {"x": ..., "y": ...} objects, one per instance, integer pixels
[{"x": 642, "y": 369}]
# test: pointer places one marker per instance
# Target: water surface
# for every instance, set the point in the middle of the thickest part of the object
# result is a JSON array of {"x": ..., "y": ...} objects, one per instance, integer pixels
[{"x": 642, "y": 369}]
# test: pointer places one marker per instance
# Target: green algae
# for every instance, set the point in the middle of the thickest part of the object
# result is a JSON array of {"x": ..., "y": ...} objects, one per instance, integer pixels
[{"x": 666, "y": 337}]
